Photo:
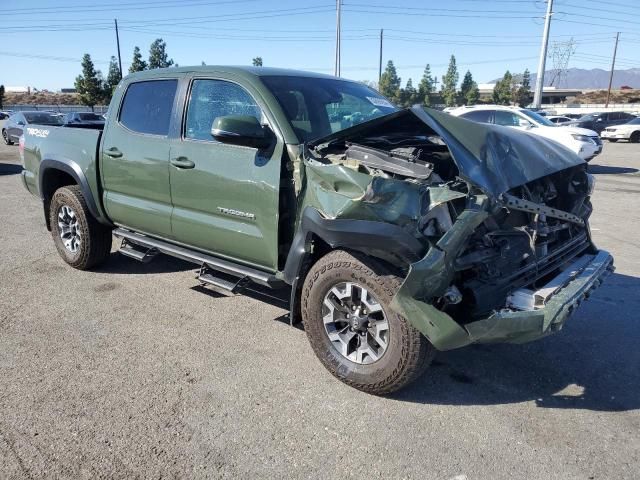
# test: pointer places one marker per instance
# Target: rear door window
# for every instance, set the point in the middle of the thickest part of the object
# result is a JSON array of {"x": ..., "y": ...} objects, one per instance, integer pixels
[{"x": 147, "y": 106}]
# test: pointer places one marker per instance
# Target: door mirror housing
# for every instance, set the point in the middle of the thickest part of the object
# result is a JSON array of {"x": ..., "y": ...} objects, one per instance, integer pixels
[{"x": 242, "y": 130}]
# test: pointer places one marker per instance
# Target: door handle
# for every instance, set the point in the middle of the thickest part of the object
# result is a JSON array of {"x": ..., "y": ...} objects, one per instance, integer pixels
[
  {"x": 182, "y": 162},
  {"x": 113, "y": 152}
]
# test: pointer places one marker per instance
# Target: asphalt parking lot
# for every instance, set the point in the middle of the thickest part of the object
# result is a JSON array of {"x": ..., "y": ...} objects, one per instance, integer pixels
[{"x": 133, "y": 371}]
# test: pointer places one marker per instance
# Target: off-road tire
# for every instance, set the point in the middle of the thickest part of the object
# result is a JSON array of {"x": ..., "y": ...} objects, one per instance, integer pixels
[
  {"x": 96, "y": 238},
  {"x": 5, "y": 137},
  {"x": 612, "y": 140},
  {"x": 635, "y": 137},
  {"x": 408, "y": 354}
]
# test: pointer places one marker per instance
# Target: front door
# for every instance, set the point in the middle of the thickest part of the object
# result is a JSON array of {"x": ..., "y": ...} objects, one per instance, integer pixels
[
  {"x": 225, "y": 197},
  {"x": 135, "y": 158}
]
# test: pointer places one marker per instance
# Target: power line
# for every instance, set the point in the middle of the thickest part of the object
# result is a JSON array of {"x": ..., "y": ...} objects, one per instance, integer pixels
[
  {"x": 48, "y": 57},
  {"x": 609, "y": 2},
  {"x": 123, "y": 6},
  {"x": 183, "y": 20}
]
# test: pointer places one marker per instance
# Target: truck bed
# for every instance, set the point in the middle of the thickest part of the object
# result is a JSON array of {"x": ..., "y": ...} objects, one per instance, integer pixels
[{"x": 77, "y": 147}]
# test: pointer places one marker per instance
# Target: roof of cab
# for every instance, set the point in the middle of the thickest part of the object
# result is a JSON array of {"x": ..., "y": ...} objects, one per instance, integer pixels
[{"x": 246, "y": 71}]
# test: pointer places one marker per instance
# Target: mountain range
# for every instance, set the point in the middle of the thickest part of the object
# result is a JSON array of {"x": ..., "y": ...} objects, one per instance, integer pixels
[{"x": 596, "y": 78}]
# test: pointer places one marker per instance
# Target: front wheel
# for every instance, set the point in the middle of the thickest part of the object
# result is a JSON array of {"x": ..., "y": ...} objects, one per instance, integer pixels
[
  {"x": 353, "y": 331},
  {"x": 80, "y": 239},
  {"x": 635, "y": 137},
  {"x": 5, "y": 137}
]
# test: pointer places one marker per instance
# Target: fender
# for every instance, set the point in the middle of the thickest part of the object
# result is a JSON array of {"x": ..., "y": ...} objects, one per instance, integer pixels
[
  {"x": 378, "y": 239},
  {"x": 73, "y": 169}
]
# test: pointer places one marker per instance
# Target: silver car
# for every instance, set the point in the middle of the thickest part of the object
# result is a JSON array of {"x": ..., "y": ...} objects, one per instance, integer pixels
[{"x": 13, "y": 127}]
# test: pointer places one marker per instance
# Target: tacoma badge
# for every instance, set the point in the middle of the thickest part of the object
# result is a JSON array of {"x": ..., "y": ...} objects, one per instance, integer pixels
[{"x": 237, "y": 213}]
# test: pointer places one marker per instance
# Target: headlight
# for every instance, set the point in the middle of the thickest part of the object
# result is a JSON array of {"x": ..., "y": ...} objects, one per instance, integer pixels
[{"x": 582, "y": 138}]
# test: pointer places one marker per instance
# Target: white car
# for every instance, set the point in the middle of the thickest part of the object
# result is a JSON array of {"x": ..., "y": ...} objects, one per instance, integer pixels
[
  {"x": 586, "y": 143},
  {"x": 627, "y": 131}
]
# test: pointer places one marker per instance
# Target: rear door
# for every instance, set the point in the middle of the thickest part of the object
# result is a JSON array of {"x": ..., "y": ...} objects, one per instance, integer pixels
[
  {"x": 135, "y": 157},
  {"x": 225, "y": 197}
]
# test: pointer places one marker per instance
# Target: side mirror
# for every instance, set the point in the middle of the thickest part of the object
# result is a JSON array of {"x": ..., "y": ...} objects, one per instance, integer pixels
[
  {"x": 598, "y": 120},
  {"x": 242, "y": 130},
  {"x": 20, "y": 122},
  {"x": 525, "y": 123}
]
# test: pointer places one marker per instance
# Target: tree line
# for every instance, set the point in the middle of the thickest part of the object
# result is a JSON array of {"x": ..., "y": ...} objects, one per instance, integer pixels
[
  {"x": 93, "y": 89},
  {"x": 511, "y": 89}
]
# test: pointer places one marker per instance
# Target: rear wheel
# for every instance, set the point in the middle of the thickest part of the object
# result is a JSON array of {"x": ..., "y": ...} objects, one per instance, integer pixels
[
  {"x": 81, "y": 240},
  {"x": 5, "y": 137},
  {"x": 353, "y": 331},
  {"x": 635, "y": 137}
]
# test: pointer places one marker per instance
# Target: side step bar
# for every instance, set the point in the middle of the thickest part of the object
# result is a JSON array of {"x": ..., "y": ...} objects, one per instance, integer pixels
[
  {"x": 203, "y": 259},
  {"x": 131, "y": 250},
  {"x": 221, "y": 281}
]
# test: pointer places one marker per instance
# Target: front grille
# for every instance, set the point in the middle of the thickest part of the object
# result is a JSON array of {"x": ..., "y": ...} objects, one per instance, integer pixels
[
  {"x": 610, "y": 129},
  {"x": 549, "y": 263},
  {"x": 488, "y": 294}
]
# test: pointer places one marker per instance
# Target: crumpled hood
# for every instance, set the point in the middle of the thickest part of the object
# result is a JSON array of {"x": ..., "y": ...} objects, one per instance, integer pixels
[{"x": 494, "y": 158}]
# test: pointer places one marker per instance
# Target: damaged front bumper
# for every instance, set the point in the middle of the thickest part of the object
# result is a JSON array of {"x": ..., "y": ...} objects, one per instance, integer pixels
[{"x": 513, "y": 324}]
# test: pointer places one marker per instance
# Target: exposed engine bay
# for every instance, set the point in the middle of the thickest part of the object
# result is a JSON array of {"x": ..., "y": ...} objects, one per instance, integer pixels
[{"x": 531, "y": 231}]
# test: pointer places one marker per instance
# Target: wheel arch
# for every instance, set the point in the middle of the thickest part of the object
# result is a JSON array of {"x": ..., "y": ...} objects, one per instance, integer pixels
[
  {"x": 317, "y": 235},
  {"x": 56, "y": 173}
]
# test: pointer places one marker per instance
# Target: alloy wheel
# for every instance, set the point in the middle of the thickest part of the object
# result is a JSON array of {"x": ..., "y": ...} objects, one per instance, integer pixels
[
  {"x": 355, "y": 323},
  {"x": 69, "y": 228}
]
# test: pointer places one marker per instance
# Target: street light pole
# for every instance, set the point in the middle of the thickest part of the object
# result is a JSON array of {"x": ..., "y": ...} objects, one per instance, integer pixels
[
  {"x": 380, "y": 62},
  {"x": 118, "y": 42},
  {"x": 537, "y": 97},
  {"x": 336, "y": 70},
  {"x": 613, "y": 66}
]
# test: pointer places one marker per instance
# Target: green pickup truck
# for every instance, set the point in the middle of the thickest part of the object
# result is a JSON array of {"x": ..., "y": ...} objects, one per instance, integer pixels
[{"x": 398, "y": 232}]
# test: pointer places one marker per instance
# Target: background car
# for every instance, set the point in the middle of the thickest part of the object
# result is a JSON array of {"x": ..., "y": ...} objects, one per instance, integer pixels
[
  {"x": 84, "y": 120},
  {"x": 559, "y": 119},
  {"x": 585, "y": 143},
  {"x": 12, "y": 129},
  {"x": 601, "y": 120},
  {"x": 628, "y": 131},
  {"x": 3, "y": 115}
]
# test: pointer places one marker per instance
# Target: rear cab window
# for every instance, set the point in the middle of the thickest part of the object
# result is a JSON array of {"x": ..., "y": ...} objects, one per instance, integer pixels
[{"x": 147, "y": 106}]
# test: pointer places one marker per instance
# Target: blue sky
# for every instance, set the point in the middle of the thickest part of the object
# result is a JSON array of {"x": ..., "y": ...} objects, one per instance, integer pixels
[{"x": 42, "y": 41}]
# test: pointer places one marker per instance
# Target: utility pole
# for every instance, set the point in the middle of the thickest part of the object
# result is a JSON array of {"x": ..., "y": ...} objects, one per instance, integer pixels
[
  {"x": 118, "y": 42},
  {"x": 380, "y": 62},
  {"x": 613, "y": 65},
  {"x": 336, "y": 70},
  {"x": 537, "y": 97}
]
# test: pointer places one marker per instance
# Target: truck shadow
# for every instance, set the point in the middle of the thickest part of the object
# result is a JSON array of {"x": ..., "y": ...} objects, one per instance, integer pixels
[
  {"x": 592, "y": 364},
  {"x": 10, "y": 168},
  {"x": 607, "y": 170},
  {"x": 118, "y": 263}
]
